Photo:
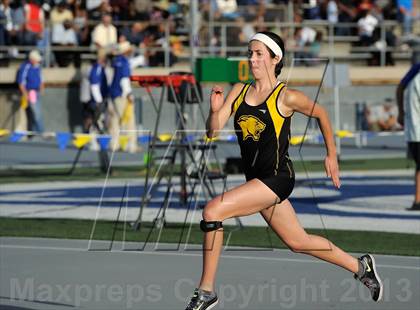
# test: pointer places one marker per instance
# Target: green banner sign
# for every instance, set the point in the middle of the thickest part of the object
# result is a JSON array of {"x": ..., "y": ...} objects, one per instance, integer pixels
[{"x": 222, "y": 70}]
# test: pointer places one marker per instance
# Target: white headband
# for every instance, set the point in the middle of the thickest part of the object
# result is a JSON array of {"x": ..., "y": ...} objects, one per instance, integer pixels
[{"x": 269, "y": 42}]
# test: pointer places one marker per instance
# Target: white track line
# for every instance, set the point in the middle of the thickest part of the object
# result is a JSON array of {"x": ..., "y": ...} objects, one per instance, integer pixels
[{"x": 296, "y": 260}]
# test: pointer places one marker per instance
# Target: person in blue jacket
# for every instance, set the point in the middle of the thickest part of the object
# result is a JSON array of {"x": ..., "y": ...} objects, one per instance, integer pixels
[
  {"x": 29, "y": 79},
  {"x": 98, "y": 89},
  {"x": 121, "y": 111}
]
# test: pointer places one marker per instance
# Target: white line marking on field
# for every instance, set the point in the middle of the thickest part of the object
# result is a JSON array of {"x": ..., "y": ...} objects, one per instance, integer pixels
[{"x": 296, "y": 260}]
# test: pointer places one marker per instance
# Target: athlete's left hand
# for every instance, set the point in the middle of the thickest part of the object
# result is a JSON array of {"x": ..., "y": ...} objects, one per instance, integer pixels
[{"x": 332, "y": 170}]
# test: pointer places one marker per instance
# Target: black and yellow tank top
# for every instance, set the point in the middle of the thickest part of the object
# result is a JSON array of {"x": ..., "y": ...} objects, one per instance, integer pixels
[{"x": 263, "y": 135}]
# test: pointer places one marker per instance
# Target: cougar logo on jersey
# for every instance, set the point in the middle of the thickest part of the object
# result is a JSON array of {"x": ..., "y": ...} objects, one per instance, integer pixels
[{"x": 251, "y": 127}]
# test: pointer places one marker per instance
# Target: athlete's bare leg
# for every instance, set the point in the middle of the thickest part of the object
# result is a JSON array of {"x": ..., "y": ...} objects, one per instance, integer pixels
[
  {"x": 284, "y": 222},
  {"x": 253, "y": 197},
  {"x": 246, "y": 199}
]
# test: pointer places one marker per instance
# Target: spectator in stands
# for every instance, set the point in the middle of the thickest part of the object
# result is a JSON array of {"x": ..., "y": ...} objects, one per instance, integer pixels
[
  {"x": 312, "y": 10},
  {"x": 247, "y": 30},
  {"x": 332, "y": 12},
  {"x": 314, "y": 49},
  {"x": 408, "y": 99},
  {"x": 81, "y": 25},
  {"x": 121, "y": 112},
  {"x": 15, "y": 35},
  {"x": 174, "y": 7},
  {"x": 3, "y": 22},
  {"x": 104, "y": 35},
  {"x": 11, "y": 23},
  {"x": 136, "y": 11},
  {"x": 34, "y": 22},
  {"x": 390, "y": 10},
  {"x": 93, "y": 4},
  {"x": 379, "y": 44},
  {"x": 364, "y": 5},
  {"x": 156, "y": 39},
  {"x": 139, "y": 10},
  {"x": 6, "y": 22},
  {"x": 309, "y": 44},
  {"x": 63, "y": 35},
  {"x": 98, "y": 12},
  {"x": 227, "y": 9},
  {"x": 119, "y": 8},
  {"x": 382, "y": 117},
  {"x": 406, "y": 14},
  {"x": 366, "y": 24},
  {"x": 60, "y": 13},
  {"x": 136, "y": 33},
  {"x": 30, "y": 85},
  {"x": 347, "y": 14},
  {"x": 98, "y": 89},
  {"x": 159, "y": 12},
  {"x": 304, "y": 36},
  {"x": 388, "y": 120}
]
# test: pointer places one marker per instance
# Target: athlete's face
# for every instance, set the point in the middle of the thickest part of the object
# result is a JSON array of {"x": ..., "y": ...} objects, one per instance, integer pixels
[{"x": 260, "y": 60}]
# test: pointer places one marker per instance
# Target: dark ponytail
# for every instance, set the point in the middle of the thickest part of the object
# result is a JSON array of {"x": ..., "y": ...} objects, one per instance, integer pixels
[{"x": 276, "y": 38}]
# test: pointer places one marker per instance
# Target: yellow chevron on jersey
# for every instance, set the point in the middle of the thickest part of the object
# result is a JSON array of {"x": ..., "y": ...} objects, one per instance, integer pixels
[
  {"x": 240, "y": 98},
  {"x": 251, "y": 126},
  {"x": 278, "y": 120}
]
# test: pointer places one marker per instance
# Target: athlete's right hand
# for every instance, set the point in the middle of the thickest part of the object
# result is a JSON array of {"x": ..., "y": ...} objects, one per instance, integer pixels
[{"x": 216, "y": 98}]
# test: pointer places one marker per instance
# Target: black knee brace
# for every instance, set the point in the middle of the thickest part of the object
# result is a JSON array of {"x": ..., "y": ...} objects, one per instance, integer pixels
[{"x": 210, "y": 226}]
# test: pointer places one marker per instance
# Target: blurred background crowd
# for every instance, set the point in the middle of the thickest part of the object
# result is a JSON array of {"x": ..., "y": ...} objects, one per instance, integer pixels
[{"x": 69, "y": 31}]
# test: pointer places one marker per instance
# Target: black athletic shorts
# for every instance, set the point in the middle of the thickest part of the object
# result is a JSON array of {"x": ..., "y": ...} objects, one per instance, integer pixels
[
  {"x": 281, "y": 184},
  {"x": 414, "y": 148}
]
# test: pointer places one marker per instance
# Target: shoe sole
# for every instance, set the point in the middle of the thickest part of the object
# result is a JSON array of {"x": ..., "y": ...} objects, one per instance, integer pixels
[
  {"x": 378, "y": 278},
  {"x": 213, "y": 305}
]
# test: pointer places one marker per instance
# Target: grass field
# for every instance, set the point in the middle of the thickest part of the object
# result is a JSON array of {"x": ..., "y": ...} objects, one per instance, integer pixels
[{"x": 352, "y": 241}]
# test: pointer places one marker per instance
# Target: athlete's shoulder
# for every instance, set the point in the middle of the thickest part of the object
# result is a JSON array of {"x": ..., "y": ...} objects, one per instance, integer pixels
[
  {"x": 291, "y": 95},
  {"x": 291, "y": 100},
  {"x": 235, "y": 95},
  {"x": 237, "y": 88},
  {"x": 235, "y": 92}
]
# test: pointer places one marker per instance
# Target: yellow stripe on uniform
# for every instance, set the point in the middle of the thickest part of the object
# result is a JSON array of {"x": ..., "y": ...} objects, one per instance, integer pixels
[
  {"x": 241, "y": 98},
  {"x": 278, "y": 120}
]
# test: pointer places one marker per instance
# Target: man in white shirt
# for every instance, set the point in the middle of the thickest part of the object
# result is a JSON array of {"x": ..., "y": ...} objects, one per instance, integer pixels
[
  {"x": 104, "y": 35},
  {"x": 304, "y": 36},
  {"x": 366, "y": 24},
  {"x": 63, "y": 34},
  {"x": 60, "y": 13},
  {"x": 332, "y": 11}
]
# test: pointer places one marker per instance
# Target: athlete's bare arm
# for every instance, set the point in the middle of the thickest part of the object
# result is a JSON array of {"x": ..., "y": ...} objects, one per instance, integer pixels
[
  {"x": 297, "y": 101},
  {"x": 220, "y": 109}
]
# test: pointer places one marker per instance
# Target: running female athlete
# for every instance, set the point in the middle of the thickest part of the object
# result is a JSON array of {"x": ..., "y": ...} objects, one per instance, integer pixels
[{"x": 262, "y": 113}]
